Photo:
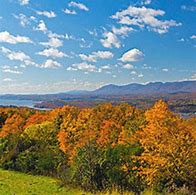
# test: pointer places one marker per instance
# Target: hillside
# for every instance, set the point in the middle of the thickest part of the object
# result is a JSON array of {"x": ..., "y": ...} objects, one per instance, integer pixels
[
  {"x": 150, "y": 88},
  {"x": 156, "y": 88},
  {"x": 28, "y": 184}
]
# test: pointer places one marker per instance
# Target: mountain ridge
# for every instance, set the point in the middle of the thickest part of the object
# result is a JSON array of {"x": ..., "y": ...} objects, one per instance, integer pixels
[{"x": 151, "y": 88}]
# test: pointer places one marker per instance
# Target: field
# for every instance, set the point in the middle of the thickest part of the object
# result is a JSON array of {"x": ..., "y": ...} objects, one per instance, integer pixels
[
  {"x": 22, "y": 184},
  {"x": 15, "y": 183}
]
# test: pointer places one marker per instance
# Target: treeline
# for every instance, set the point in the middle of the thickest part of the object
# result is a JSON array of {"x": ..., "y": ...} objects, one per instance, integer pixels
[{"x": 102, "y": 148}]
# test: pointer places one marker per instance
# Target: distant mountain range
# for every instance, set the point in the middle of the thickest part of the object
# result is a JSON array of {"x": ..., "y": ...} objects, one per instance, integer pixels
[
  {"x": 147, "y": 89},
  {"x": 156, "y": 88}
]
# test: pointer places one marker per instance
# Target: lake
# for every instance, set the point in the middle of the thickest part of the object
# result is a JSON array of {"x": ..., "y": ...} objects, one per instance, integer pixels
[{"x": 22, "y": 103}]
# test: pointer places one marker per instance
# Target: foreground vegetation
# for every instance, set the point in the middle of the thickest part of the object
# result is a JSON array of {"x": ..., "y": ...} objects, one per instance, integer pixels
[
  {"x": 22, "y": 184},
  {"x": 102, "y": 148}
]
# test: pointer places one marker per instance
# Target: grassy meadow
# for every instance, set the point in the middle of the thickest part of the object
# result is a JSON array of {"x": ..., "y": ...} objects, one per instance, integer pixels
[{"x": 12, "y": 182}]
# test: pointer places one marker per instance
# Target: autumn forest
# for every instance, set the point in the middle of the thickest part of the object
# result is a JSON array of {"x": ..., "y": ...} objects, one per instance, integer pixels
[{"x": 102, "y": 148}]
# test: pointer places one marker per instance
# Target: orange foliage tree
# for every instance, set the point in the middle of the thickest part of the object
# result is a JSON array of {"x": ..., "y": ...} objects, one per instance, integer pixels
[
  {"x": 102, "y": 125},
  {"x": 169, "y": 147}
]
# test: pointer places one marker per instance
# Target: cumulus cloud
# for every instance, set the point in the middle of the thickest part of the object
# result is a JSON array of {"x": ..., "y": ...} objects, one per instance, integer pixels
[
  {"x": 140, "y": 75},
  {"x": 6, "y": 37},
  {"x": 193, "y": 37},
  {"x": 89, "y": 58},
  {"x": 7, "y": 79},
  {"x": 52, "y": 52},
  {"x": 49, "y": 14},
  {"x": 70, "y": 12},
  {"x": 124, "y": 30},
  {"x": 41, "y": 26},
  {"x": 65, "y": 36},
  {"x": 191, "y": 8},
  {"x": 50, "y": 64},
  {"x": 143, "y": 17},
  {"x": 96, "y": 55},
  {"x": 78, "y": 5},
  {"x": 146, "y": 2},
  {"x": 24, "y": 2},
  {"x": 24, "y": 20},
  {"x": 53, "y": 42},
  {"x": 11, "y": 71},
  {"x": 106, "y": 67},
  {"x": 193, "y": 77},
  {"x": 110, "y": 40},
  {"x": 133, "y": 72},
  {"x": 128, "y": 66},
  {"x": 132, "y": 55},
  {"x": 15, "y": 55},
  {"x": 83, "y": 66},
  {"x": 18, "y": 56},
  {"x": 165, "y": 69},
  {"x": 103, "y": 54}
]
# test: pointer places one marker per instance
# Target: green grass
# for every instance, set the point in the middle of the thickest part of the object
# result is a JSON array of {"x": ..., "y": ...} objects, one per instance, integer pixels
[{"x": 14, "y": 183}]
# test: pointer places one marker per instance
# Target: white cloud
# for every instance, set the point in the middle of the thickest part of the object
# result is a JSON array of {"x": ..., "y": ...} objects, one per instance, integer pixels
[
  {"x": 191, "y": 8},
  {"x": 124, "y": 30},
  {"x": 93, "y": 32},
  {"x": 96, "y": 55},
  {"x": 55, "y": 39},
  {"x": 165, "y": 69},
  {"x": 140, "y": 75},
  {"x": 78, "y": 5},
  {"x": 18, "y": 56},
  {"x": 181, "y": 40},
  {"x": 24, "y": 20},
  {"x": 70, "y": 68},
  {"x": 133, "y": 72},
  {"x": 193, "y": 77},
  {"x": 146, "y": 2},
  {"x": 193, "y": 37},
  {"x": 53, "y": 42},
  {"x": 49, "y": 87},
  {"x": 49, "y": 14},
  {"x": 24, "y": 2},
  {"x": 41, "y": 26},
  {"x": 11, "y": 71},
  {"x": 55, "y": 35},
  {"x": 146, "y": 67},
  {"x": 6, "y": 37},
  {"x": 106, "y": 67},
  {"x": 84, "y": 67},
  {"x": 110, "y": 40},
  {"x": 132, "y": 55},
  {"x": 70, "y": 12},
  {"x": 88, "y": 58},
  {"x": 52, "y": 52},
  {"x": 50, "y": 64},
  {"x": 103, "y": 54},
  {"x": 128, "y": 66},
  {"x": 15, "y": 55},
  {"x": 7, "y": 80},
  {"x": 143, "y": 17}
]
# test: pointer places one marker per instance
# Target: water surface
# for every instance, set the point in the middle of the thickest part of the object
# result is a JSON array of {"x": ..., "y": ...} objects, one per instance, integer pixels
[{"x": 19, "y": 103}]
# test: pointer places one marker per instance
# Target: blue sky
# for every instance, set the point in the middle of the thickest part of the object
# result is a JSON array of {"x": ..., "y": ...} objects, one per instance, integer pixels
[{"x": 48, "y": 46}]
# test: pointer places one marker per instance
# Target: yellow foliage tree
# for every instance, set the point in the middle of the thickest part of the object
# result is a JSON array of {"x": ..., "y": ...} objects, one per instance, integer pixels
[{"x": 169, "y": 147}]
